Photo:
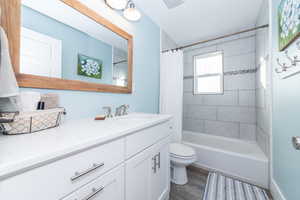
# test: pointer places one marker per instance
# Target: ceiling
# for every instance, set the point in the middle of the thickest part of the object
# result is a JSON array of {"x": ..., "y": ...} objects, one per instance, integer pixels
[{"x": 201, "y": 19}]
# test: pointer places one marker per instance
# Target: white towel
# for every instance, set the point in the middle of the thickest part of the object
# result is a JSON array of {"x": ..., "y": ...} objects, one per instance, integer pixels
[{"x": 8, "y": 84}]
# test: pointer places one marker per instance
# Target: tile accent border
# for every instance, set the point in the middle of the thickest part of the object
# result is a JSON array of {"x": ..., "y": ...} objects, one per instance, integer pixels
[{"x": 238, "y": 72}]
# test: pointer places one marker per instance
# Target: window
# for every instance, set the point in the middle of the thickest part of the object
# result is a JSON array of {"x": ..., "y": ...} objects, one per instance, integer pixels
[{"x": 208, "y": 73}]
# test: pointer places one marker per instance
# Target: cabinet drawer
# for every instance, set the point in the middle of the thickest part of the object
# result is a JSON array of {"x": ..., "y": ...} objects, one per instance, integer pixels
[
  {"x": 147, "y": 137},
  {"x": 60, "y": 178},
  {"x": 107, "y": 187}
]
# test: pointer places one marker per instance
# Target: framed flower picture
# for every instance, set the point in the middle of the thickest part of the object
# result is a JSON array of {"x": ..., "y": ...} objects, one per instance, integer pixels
[
  {"x": 288, "y": 22},
  {"x": 90, "y": 67}
]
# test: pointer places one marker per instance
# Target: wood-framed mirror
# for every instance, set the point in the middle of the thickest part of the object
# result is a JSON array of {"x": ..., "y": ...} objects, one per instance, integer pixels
[{"x": 65, "y": 45}]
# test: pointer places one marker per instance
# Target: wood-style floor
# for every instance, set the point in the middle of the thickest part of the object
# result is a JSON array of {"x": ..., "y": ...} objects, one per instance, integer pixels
[{"x": 194, "y": 189}]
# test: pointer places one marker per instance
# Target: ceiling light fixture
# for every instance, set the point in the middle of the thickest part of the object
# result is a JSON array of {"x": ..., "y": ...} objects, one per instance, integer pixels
[
  {"x": 131, "y": 13},
  {"x": 117, "y": 4},
  {"x": 127, "y": 6}
]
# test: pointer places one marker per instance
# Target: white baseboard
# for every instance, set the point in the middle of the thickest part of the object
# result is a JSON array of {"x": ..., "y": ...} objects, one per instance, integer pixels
[{"x": 275, "y": 191}]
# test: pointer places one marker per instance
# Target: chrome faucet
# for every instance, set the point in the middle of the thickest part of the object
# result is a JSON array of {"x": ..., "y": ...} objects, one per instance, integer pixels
[
  {"x": 125, "y": 109},
  {"x": 118, "y": 111},
  {"x": 108, "y": 113},
  {"x": 122, "y": 110}
]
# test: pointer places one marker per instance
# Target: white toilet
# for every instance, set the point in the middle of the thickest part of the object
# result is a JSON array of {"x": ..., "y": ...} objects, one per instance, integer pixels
[{"x": 181, "y": 156}]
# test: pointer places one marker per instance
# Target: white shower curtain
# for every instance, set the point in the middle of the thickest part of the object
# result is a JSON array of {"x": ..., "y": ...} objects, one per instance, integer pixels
[{"x": 171, "y": 89}]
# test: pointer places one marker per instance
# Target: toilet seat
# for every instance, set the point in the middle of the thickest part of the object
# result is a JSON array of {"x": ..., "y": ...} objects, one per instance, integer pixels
[{"x": 181, "y": 151}]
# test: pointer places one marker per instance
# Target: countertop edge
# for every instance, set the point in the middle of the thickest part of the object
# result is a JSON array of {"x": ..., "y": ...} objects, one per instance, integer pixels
[{"x": 35, "y": 162}]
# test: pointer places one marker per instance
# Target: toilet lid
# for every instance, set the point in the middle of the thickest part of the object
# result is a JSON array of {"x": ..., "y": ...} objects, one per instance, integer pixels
[{"x": 181, "y": 150}]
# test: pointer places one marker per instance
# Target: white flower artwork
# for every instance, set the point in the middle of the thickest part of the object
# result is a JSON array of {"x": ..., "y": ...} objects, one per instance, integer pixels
[
  {"x": 289, "y": 22},
  {"x": 89, "y": 67}
]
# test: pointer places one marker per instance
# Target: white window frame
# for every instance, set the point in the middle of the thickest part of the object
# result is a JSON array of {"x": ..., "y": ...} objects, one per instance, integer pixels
[{"x": 205, "y": 55}]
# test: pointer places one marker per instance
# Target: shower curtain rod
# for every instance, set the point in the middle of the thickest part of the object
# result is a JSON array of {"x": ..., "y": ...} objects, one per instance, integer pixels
[{"x": 217, "y": 38}]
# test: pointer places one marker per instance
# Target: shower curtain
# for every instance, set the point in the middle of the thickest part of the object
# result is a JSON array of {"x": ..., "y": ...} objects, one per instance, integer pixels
[{"x": 171, "y": 89}]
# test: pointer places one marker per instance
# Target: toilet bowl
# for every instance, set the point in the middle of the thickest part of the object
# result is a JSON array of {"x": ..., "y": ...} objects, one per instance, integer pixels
[{"x": 181, "y": 156}]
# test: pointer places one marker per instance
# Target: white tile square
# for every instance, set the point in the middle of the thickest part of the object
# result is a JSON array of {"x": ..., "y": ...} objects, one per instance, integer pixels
[
  {"x": 185, "y": 111},
  {"x": 241, "y": 81},
  {"x": 263, "y": 120},
  {"x": 188, "y": 69},
  {"x": 247, "y": 98},
  {"x": 260, "y": 98},
  {"x": 202, "y": 112},
  {"x": 229, "y": 98},
  {"x": 248, "y": 132},
  {"x": 239, "y": 62},
  {"x": 237, "y": 114},
  {"x": 190, "y": 98},
  {"x": 188, "y": 85},
  {"x": 225, "y": 129},
  {"x": 193, "y": 125},
  {"x": 263, "y": 141}
]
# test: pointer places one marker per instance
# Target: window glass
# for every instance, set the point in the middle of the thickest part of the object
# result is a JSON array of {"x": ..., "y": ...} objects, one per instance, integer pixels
[
  {"x": 211, "y": 64},
  {"x": 208, "y": 73}
]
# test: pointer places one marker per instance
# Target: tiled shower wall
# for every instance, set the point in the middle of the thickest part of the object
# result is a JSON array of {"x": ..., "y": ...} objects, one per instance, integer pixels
[
  {"x": 263, "y": 82},
  {"x": 232, "y": 114}
]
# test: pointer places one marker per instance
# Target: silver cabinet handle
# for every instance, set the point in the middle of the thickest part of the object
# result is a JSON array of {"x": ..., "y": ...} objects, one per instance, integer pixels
[
  {"x": 296, "y": 142},
  {"x": 93, "y": 194},
  {"x": 158, "y": 164},
  {"x": 154, "y": 164},
  {"x": 80, "y": 174}
]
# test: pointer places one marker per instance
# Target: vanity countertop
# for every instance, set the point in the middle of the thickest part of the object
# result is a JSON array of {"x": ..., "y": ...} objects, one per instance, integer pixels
[{"x": 22, "y": 152}]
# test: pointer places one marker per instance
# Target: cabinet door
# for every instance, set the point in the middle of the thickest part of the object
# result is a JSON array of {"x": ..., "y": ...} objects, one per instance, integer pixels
[
  {"x": 138, "y": 172},
  {"x": 160, "y": 178},
  {"x": 147, "y": 174},
  {"x": 107, "y": 187}
]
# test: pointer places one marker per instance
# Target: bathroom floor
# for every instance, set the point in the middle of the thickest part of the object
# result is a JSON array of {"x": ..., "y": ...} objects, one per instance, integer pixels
[{"x": 194, "y": 189}]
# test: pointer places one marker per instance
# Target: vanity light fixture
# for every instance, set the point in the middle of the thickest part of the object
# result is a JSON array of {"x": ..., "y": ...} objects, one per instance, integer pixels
[
  {"x": 127, "y": 6},
  {"x": 131, "y": 13}
]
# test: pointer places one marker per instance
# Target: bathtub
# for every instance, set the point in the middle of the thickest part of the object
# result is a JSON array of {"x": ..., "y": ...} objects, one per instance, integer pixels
[{"x": 236, "y": 158}]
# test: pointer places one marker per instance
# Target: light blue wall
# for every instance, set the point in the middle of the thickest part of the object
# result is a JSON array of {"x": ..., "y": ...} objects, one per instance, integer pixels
[
  {"x": 74, "y": 42},
  {"x": 286, "y": 121},
  {"x": 146, "y": 65}
]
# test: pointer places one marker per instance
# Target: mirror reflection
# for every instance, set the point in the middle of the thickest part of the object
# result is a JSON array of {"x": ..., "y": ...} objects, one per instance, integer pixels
[{"x": 57, "y": 41}]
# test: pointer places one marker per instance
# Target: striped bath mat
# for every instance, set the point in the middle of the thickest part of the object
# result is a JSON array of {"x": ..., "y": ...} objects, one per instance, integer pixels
[{"x": 220, "y": 187}]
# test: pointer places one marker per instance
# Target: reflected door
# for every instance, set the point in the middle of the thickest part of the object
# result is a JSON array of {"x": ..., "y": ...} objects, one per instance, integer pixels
[{"x": 40, "y": 54}]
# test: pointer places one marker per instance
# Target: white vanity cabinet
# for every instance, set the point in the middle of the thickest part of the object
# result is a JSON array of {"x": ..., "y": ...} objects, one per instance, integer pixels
[
  {"x": 147, "y": 174},
  {"x": 130, "y": 166},
  {"x": 58, "y": 179}
]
